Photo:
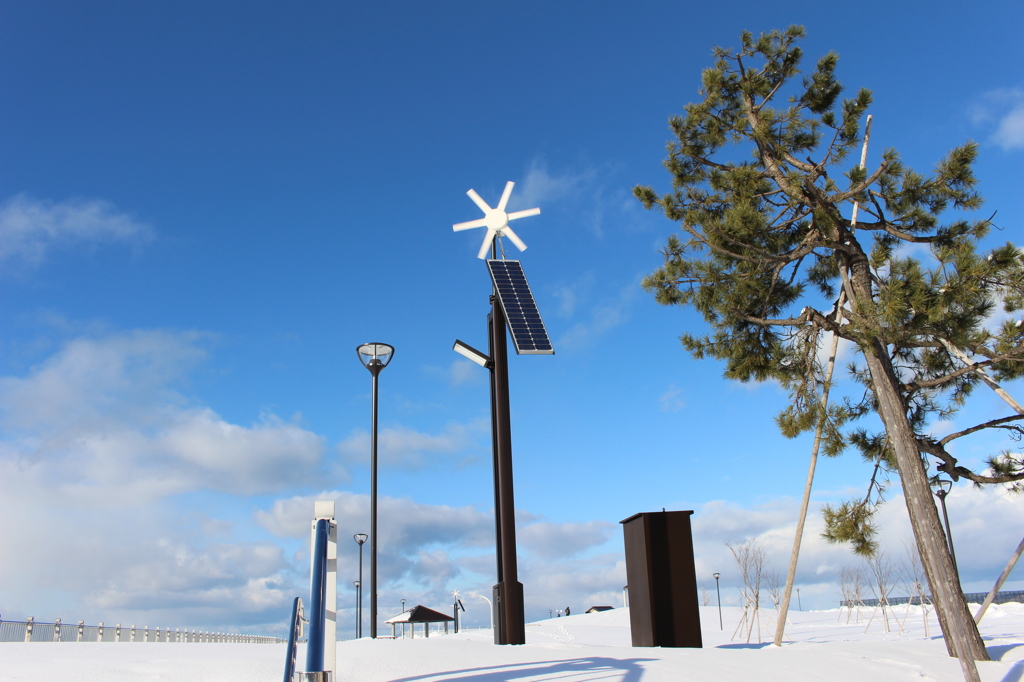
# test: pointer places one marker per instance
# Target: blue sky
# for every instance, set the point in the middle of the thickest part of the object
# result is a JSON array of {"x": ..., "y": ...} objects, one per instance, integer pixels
[{"x": 206, "y": 207}]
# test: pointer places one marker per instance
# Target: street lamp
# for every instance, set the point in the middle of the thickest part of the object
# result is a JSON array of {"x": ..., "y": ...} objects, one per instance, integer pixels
[
  {"x": 359, "y": 608},
  {"x": 944, "y": 486},
  {"x": 798, "y": 602},
  {"x": 360, "y": 538},
  {"x": 490, "y": 608},
  {"x": 403, "y": 625},
  {"x": 375, "y": 357},
  {"x": 719, "y": 591}
]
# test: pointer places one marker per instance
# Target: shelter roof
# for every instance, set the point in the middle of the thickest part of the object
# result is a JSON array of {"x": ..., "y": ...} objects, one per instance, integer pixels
[{"x": 420, "y": 614}]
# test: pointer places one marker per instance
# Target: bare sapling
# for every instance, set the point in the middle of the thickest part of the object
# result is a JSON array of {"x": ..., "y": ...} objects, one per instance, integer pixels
[
  {"x": 851, "y": 583},
  {"x": 751, "y": 558},
  {"x": 884, "y": 572},
  {"x": 913, "y": 579}
]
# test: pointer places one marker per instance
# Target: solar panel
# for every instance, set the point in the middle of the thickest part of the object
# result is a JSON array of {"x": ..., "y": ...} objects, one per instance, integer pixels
[{"x": 527, "y": 329}]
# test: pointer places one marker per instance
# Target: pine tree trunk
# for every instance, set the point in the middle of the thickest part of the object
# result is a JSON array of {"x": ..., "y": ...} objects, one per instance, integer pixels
[{"x": 959, "y": 628}]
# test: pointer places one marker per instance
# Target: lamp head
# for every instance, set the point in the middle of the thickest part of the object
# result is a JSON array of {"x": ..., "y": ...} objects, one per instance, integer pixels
[
  {"x": 944, "y": 485},
  {"x": 360, "y": 537},
  {"x": 716, "y": 575},
  {"x": 375, "y": 356}
]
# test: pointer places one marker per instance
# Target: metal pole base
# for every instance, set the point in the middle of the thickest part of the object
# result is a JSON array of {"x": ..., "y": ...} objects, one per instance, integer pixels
[
  {"x": 512, "y": 621},
  {"x": 323, "y": 676}
]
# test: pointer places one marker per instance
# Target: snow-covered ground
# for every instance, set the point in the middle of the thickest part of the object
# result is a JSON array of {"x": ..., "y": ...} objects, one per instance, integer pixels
[{"x": 589, "y": 647}]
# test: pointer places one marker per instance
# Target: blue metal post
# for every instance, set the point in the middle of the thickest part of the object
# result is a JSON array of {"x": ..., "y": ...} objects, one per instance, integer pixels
[
  {"x": 318, "y": 612},
  {"x": 293, "y": 640}
]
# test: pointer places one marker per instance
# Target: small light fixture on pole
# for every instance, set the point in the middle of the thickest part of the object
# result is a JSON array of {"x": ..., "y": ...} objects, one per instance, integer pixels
[
  {"x": 360, "y": 538},
  {"x": 944, "y": 486},
  {"x": 375, "y": 357},
  {"x": 359, "y": 607},
  {"x": 798, "y": 602},
  {"x": 719, "y": 591}
]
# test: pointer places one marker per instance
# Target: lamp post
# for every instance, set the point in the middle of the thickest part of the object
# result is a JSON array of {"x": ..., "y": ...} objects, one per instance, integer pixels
[
  {"x": 359, "y": 608},
  {"x": 360, "y": 538},
  {"x": 490, "y": 608},
  {"x": 719, "y": 591},
  {"x": 944, "y": 486},
  {"x": 798, "y": 602},
  {"x": 375, "y": 357}
]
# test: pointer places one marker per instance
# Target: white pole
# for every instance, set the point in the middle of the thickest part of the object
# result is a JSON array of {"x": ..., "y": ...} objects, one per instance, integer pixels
[
  {"x": 324, "y": 509},
  {"x": 795, "y": 554}
]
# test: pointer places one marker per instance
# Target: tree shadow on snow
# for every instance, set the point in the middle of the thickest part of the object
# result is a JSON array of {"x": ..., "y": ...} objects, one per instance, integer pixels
[
  {"x": 1014, "y": 673},
  {"x": 582, "y": 670},
  {"x": 754, "y": 645},
  {"x": 999, "y": 651}
]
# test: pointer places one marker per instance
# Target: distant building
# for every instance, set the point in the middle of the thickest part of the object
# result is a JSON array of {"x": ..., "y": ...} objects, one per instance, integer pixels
[{"x": 595, "y": 609}]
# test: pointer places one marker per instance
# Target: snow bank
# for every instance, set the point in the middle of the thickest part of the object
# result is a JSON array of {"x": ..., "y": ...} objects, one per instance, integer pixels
[{"x": 821, "y": 645}]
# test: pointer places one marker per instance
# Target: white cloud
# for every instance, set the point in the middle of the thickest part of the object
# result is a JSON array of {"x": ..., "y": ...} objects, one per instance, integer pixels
[
  {"x": 586, "y": 194},
  {"x": 540, "y": 187},
  {"x": 428, "y": 550},
  {"x": 99, "y": 423},
  {"x": 571, "y": 294},
  {"x": 671, "y": 400},
  {"x": 406, "y": 448},
  {"x": 603, "y": 317},
  {"x": 548, "y": 540},
  {"x": 29, "y": 228},
  {"x": 95, "y": 441},
  {"x": 1005, "y": 107}
]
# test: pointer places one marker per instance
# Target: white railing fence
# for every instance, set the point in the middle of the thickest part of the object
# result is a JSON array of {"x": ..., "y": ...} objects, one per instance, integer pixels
[{"x": 33, "y": 631}]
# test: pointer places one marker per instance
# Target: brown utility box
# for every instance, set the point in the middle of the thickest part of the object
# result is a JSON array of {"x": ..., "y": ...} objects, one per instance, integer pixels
[{"x": 663, "y": 608}]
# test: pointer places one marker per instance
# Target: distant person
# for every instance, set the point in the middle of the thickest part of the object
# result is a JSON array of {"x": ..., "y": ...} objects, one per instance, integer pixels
[{"x": 567, "y": 610}]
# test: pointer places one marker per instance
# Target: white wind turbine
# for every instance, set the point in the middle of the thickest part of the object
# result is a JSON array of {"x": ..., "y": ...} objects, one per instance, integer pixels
[{"x": 496, "y": 220}]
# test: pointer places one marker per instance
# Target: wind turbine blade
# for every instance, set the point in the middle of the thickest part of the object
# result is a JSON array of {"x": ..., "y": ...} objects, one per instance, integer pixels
[
  {"x": 478, "y": 201},
  {"x": 524, "y": 214},
  {"x": 479, "y": 222},
  {"x": 505, "y": 195},
  {"x": 512, "y": 237},
  {"x": 487, "y": 244}
]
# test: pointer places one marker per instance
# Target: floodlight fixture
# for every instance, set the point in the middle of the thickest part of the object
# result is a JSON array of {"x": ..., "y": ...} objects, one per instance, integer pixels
[{"x": 467, "y": 351}]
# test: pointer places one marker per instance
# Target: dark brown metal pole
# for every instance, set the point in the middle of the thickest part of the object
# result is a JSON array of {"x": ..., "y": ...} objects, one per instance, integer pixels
[
  {"x": 511, "y": 590},
  {"x": 498, "y": 610},
  {"x": 375, "y": 370}
]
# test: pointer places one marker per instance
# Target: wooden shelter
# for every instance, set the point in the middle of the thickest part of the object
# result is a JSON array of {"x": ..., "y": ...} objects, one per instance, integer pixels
[{"x": 419, "y": 614}]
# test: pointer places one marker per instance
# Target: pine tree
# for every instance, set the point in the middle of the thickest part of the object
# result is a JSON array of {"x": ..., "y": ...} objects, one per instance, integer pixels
[{"x": 769, "y": 260}]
